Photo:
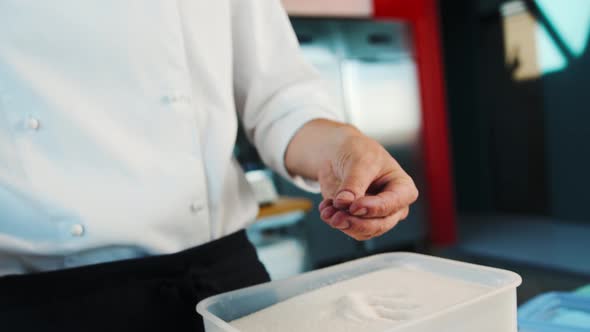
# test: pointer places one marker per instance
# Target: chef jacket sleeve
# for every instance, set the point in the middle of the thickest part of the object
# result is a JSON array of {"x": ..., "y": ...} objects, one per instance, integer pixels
[{"x": 276, "y": 91}]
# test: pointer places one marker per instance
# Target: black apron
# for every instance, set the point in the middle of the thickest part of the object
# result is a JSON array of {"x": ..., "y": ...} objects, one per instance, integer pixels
[{"x": 157, "y": 293}]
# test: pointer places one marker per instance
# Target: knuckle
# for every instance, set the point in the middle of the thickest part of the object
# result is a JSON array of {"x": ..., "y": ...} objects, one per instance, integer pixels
[
  {"x": 415, "y": 194},
  {"x": 376, "y": 211},
  {"x": 389, "y": 202},
  {"x": 405, "y": 214},
  {"x": 383, "y": 208}
]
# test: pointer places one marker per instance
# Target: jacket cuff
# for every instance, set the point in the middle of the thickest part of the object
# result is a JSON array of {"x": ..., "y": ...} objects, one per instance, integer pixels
[{"x": 281, "y": 134}]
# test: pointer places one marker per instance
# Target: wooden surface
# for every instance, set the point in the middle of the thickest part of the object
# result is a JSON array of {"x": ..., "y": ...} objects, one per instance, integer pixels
[
  {"x": 323, "y": 8},
  {"x": 285, "y": 205}
]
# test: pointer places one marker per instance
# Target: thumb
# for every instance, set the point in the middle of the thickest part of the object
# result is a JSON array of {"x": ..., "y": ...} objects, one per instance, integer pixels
[{"x": 356, "y": 179}]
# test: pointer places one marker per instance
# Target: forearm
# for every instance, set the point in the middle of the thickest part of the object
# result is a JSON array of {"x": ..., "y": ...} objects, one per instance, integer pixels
[{"x": 313, "y": 144}]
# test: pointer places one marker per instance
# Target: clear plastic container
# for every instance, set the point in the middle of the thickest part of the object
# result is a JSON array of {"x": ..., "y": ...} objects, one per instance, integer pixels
[{"x": 493, "y": 311}]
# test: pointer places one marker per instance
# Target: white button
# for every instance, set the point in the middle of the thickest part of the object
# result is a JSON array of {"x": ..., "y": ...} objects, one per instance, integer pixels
[
  {"x": 176, "y": 98},
  {"x": 77, "y": 230},
  {"x": 33, "y": 123}
]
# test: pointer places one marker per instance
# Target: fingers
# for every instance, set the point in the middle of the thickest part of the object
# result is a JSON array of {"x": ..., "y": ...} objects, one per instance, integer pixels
[
  {"x": 328, "y": 212},
  {"x": 339, "y": 220},
  {"x": 365, "y": 229},
  {"x": 325, "y": 203},
  {"x": 359, "y": 228},
  {"x": 396, "y": 195},
  {"x": 356, "y": 178}
]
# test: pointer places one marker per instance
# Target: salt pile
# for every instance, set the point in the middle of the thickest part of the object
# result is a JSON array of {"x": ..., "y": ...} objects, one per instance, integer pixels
[{"x": 374, "y": 302}]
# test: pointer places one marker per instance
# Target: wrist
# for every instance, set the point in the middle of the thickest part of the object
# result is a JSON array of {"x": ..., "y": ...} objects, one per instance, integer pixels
[{"x": 316, "y": 142}]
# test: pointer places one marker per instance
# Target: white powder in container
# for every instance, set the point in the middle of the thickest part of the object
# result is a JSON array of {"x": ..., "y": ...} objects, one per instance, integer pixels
[{"x": 374, "y": 302}]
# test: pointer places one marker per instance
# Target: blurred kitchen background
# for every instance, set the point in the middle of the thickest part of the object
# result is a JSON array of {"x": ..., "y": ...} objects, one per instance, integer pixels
[{"x": 485, "y": 104}]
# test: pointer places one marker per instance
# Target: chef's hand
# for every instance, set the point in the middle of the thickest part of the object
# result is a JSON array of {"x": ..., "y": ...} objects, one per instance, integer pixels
[{"x": 366, "y": 192}]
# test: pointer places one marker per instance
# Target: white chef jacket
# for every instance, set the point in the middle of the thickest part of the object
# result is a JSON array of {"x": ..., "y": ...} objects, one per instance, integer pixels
[{"x": 118, "y": 121}]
